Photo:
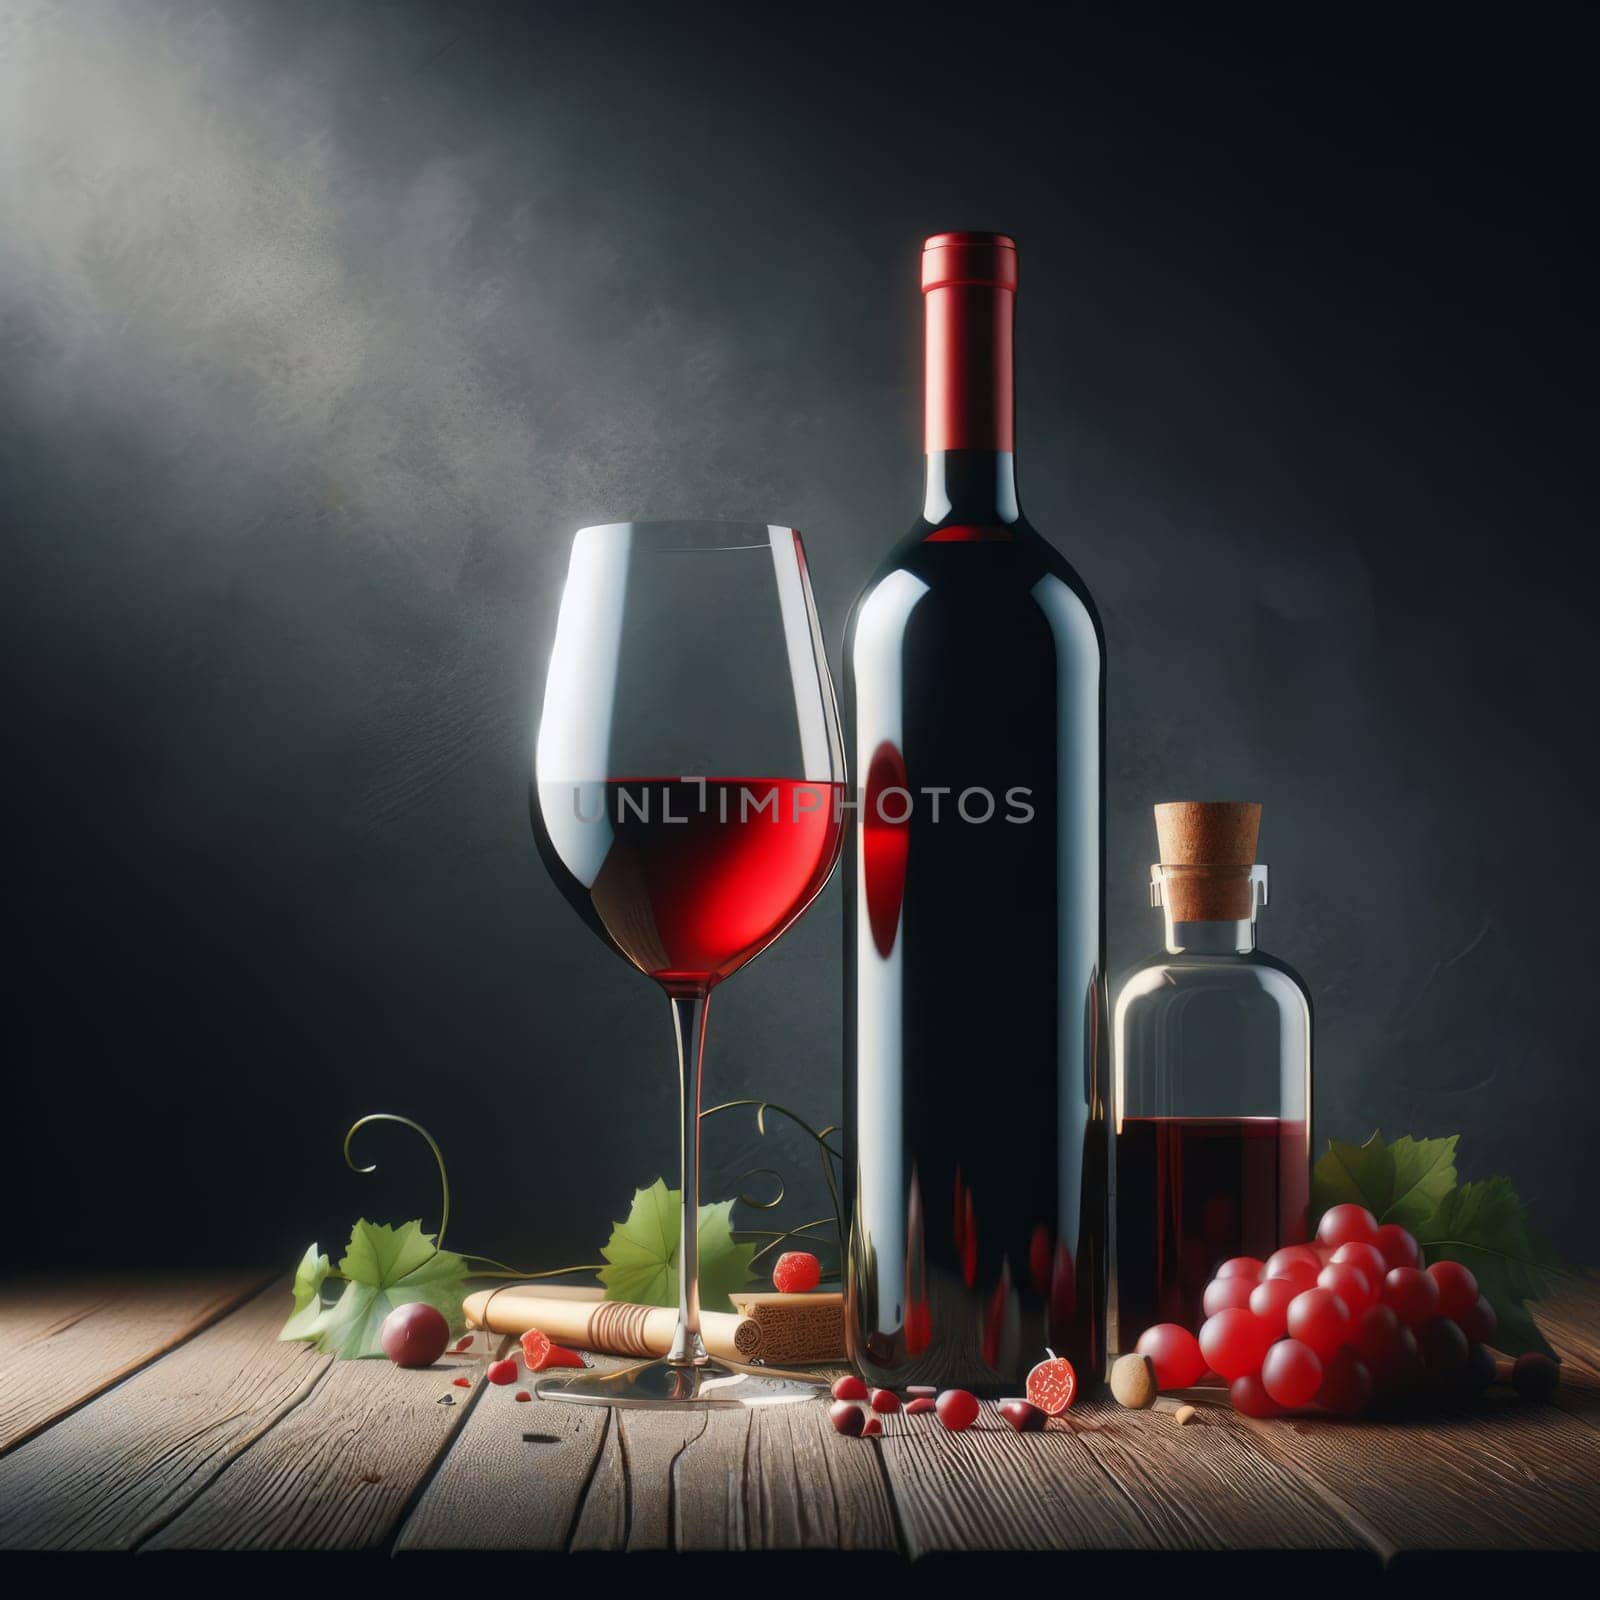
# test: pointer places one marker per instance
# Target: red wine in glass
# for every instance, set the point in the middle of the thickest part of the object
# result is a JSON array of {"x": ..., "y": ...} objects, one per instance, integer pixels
[{"x": 700, "y": 874}]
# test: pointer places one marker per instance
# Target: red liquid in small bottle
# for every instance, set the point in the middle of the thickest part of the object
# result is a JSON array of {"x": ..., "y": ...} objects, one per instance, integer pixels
[{"x": 1191, "y": 1192}]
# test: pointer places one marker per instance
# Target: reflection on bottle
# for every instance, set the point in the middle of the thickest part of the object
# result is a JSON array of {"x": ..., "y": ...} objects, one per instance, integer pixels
[
  {"x": 917, "y": 1313},
  {"x": 1039, "y": 1260}
]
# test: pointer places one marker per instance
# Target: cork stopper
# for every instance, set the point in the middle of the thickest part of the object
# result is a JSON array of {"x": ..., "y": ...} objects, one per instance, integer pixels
[{"x": 1207, "y": 850}]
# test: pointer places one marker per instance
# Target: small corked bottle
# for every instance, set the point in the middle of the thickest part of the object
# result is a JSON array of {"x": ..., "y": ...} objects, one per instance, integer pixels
[{"x": 1211, "y": 1084}]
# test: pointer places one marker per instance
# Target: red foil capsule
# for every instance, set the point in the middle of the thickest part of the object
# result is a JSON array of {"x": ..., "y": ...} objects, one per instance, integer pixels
[{"x": 969, "y": 291}]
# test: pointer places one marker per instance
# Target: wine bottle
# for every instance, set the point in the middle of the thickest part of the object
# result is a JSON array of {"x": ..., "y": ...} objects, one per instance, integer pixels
[{"x": 975, "y": 1121}]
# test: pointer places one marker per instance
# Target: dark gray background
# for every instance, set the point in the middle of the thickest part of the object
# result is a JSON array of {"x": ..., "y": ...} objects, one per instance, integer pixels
[{"x": 323, "y": 325}]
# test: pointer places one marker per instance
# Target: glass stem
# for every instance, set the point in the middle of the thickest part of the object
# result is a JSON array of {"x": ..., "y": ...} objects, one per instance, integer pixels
[{"x": 689, "y": 1026}]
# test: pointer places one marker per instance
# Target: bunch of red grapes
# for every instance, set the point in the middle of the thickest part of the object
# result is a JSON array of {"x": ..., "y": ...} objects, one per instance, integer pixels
[{"x": 1331, "y": 1324}]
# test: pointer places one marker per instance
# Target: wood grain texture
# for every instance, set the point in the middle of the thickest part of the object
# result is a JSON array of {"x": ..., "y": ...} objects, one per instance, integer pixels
[
  {"x": 1499, "y": 1473},
  {"x": 63, "y": 1342},
  {"x": 1105, "y": 1479},
  {"x": 339, "y": 1469},
  {"x": 543, "y": 1476},
  {"x": 109, "y": 1475}
]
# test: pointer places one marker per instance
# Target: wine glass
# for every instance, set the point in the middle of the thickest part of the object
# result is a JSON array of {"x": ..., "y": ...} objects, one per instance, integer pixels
[{"x": 687, "y": 800}]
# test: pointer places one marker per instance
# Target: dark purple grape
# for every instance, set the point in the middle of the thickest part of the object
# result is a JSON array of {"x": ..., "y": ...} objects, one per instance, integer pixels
[
  {"x": 1480, "y": 1366},
  {"x": 1535, "y": 1376},
  {"x": 414, "y": 1335},
  {"x": 1443, "y": 1347}
]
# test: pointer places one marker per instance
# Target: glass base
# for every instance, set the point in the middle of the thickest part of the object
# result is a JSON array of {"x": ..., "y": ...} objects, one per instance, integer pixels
[{"x": 664, "y": 1383}]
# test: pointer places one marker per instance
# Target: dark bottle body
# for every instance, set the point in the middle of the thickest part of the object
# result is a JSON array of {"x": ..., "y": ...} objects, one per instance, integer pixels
[{"x": 976, "y": 1134}]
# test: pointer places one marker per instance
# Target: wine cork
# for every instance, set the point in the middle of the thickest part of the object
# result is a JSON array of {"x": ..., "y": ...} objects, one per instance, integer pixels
[
  {"x": 1207, "y": 850},
  {"x": 583, "y": 1317},
  {"x": 797, "y": 1327}
]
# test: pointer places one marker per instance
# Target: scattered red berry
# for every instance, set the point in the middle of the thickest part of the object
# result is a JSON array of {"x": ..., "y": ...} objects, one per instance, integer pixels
[
  {"x": 1351, "y": 1284},
  {"x": 1250, "y": 1399},
  {"x": 847, "y": 1418},
  {"x": 1291, "y": 1373},
  {"x": 796, "y": 1272},
  {"x": 522, "y": 1394},
  {"x": 1022, "y": 1415},
  {"x": 501, "y": 1372},
  {"x": 414, "y": 1335},
  {"x": 872, "y": 1427},
  {"x": 849, "y": 1387},
  {"x": 1052, "y": 1385},
  {"x": 1234, "y": 1343},
  {"x": 539, "y": 1352},
  {"x": 1223, "y": 1293},
  {"x": 1347, "y": 1224},
  {"x": 1269, "y": 1302},
  {"x": 1242, "y": 1267},
  {"x": 1321, "y": 1319},
  {"x": 1535, "y": 1376},
  {"x": 1397, "y": 1246},
  {"x": 1175, "y": 1354},
  {"x": 885, "y": 1402},
  {"x": 957, "y": 1409},
  {"x": 1458, "y": 1289},
  {"x": 1412, "y": 1295},
  {"x": 915, "y": 1408},
  {"x": 462, "y": 1383},
  {"x": 1479, "y": 1320}
]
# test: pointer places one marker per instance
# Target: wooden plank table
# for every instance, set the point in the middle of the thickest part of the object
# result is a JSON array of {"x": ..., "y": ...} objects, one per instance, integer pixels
[{"x": 160, "y": 1417}]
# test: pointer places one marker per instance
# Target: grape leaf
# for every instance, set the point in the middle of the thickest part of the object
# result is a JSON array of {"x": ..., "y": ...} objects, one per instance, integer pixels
[
  {"x": 309, "y": 1277},
  {"x": 1485, "y": 1227},
  {"x": 643, "y": 1252},
  {"x": 1424, "y": 1173},
  {"x": 383, "y": 1267},
  {"x": 1400, "y": 1182},
  {"x": 1360, "y": 1174}
]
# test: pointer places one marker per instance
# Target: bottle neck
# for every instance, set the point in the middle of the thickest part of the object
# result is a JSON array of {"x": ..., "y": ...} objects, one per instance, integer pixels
[
  {"x": 976, "y": 487},
  {"x": 968, "y": 400},
  {"x": 1211, "y": 938}
]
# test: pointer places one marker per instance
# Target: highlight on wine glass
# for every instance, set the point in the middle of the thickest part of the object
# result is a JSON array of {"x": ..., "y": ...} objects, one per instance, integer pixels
[{"x": 688, "y": 801}]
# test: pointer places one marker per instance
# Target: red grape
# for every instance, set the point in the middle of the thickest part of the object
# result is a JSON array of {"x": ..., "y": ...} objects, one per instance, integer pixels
[
  {"x": 1443, "y": 1347},
  {"x": 1366, "y": 1256},
  {"x": 1280, "y": 1261},
  {"x": 885, "y": 1401},
  {"x": 1351, "y": 1285},
  {"x": 501, "y": 1372},
  {"x": 1175, "y": 1354},
  {"x": 1458, "y": 1289},
  {"x": 1346, "y": 1224},
  {"x": 1346, "y": 1385},
  {"x": 1270, "y": 1302},
  {"x": 1242, "y": 1267},
  {"x": 796, "y": 1272},
  {"x": 1320, "y": 1319},
  {"x": 1291, "y": 1373},
  {"x": 1386, "y": 1347},
  {"x": 414, "y": 1335},
  {"x": 1300, "y": 1273},
  {"x": 1224, "y": 1292},
  {"x": 1412, "y": 1295},
  {"x": 1233, "y": 1343},
  {"x": 1250, "y": 1399},
  {"x": 1479, "y": 1321},
  {"x": 1398, "y": 1247},
  {"x": 849, "y": 1387}
]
